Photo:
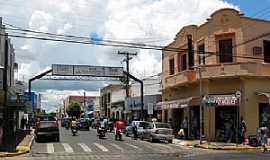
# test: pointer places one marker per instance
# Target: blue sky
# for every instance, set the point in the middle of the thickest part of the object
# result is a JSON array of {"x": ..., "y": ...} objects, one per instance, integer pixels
[{"x": 253, "y": 8}]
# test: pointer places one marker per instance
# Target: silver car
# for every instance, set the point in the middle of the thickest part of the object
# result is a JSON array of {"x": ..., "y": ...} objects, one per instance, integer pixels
[
  {"x": 140, "y": 127},
  {"x": 157, "y": 131}
]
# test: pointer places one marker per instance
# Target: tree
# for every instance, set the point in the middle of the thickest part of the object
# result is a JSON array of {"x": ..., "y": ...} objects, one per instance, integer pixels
[{"x": 74, "y": 109}]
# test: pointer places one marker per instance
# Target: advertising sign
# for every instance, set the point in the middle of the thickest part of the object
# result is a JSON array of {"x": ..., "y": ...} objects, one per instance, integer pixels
[
  {"x": 86, "y": 70},
  {"x": 222, "y": 100}
]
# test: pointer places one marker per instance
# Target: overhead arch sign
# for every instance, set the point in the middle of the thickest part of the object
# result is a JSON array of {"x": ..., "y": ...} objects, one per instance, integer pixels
[{"x": 86, "y": 70}]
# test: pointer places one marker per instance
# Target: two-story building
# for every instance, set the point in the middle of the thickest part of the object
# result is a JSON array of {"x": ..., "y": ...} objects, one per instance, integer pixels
[
  {"x": 233, "y": 53},
  {"x": 106, "y": 99}
]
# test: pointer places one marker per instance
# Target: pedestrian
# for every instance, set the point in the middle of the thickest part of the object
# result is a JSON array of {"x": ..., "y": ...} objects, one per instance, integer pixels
[
  {"x": 22, "y": 123},
  {"x": 264, "y": 131},
  {"x": 135, "y": 131},
  {"x": 184, "y": 126},
  {"x": 243, "y": 130}
]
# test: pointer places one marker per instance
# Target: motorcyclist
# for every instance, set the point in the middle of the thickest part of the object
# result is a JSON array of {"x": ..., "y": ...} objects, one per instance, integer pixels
[{"x": 119, "y": 125}]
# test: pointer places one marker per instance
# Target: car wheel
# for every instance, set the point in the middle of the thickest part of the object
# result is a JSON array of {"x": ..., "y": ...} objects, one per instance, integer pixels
[
  {"x": 151, "y": 139},
  {"x": 170, "y": 141}
]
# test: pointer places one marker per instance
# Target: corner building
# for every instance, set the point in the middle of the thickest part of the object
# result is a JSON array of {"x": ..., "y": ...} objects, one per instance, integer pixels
[{"x": 233, "y": 52}]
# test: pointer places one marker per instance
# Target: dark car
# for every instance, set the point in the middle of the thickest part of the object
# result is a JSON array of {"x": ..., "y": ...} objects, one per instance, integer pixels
[
  {"x": 64, "y": 122},
  {"x": 47, "y": 128},
  {"x": 84, "y": 124}
]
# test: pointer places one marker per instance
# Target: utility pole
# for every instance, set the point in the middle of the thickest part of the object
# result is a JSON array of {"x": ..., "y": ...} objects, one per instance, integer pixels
[
  {"x": 127, "y": 59},
  {"x": 191, "y": 66}
]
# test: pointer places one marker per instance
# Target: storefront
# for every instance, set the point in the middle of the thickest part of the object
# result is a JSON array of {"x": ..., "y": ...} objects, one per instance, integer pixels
[
  {"x": 226, "y": 116},
  {"x": 175, "y": 111}
]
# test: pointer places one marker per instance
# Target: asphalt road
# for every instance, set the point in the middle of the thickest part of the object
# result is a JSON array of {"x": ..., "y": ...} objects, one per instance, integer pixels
[{"x": 86, "y": 145}]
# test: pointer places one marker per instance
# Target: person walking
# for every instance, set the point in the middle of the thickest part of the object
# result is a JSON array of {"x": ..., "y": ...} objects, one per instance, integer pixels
[
  {"x": 264, "y": 131},
  {"x": 184, "y": 126}
]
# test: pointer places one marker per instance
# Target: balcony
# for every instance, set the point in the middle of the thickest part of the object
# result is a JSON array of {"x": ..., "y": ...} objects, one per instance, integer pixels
[{"x": 218, "y": 71}]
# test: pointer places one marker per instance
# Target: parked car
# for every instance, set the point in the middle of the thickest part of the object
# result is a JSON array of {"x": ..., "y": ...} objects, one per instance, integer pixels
[
  {"x": 84, "y": 124},
  {"x": 139, "y": 124},
  {"x": 157, "y": 131},
  {"x": 47, "y": 128}
]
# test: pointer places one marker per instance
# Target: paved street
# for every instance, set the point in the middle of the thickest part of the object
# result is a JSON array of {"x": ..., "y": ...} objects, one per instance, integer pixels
[{"x": 86, "y": 145}]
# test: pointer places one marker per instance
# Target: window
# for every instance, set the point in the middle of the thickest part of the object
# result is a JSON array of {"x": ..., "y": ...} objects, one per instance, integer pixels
[
  {"x": 171, "y": 65},
  {"x": 225, "y": 51},
  {"x": 266, "y": 51},
  {"x": 184, "y": 62},
  {"x": 201, "y": 50}
]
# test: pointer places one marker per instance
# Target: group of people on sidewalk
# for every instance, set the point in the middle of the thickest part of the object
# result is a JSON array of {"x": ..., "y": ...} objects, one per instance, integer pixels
[{"x": 261, "y": 137}]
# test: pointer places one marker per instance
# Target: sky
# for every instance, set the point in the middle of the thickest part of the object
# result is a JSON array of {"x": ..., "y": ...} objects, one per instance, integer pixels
[{"x": 142, "y": 21}]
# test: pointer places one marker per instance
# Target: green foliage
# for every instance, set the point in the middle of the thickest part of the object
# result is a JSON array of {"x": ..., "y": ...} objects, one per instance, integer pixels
[{"x": 74, "y": 109}]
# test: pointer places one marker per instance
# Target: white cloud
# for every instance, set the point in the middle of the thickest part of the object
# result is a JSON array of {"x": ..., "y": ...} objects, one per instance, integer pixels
[
  {"x": 132, "y": 20},
  {"x": 67, "y": 27}
]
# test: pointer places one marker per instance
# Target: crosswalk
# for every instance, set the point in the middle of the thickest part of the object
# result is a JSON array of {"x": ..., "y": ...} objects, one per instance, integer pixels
[{"x": 109, "y": 147}]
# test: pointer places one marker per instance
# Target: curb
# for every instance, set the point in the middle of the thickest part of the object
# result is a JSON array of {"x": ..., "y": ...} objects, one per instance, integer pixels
[
  {"x": 228, "y": 148},
  {"x": 21, "y": 149}
]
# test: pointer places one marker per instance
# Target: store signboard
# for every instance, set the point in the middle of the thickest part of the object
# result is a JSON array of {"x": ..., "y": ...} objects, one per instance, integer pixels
[
  {"x": 221, "y": 100},
  {"x": 86, "y": 70}
]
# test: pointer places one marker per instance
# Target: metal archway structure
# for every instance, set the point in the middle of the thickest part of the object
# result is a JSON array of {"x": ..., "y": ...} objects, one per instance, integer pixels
[{"x": 85, "y": 75}]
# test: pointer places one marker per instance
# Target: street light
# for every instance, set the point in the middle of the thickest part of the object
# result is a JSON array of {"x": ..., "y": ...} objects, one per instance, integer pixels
[{"x": 201, "y": 100}]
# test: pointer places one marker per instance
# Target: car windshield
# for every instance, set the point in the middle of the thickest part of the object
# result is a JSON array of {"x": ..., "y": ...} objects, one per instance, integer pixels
[
  {"x": 162, "y": 125},
  {"x": 146, "y": 125}
]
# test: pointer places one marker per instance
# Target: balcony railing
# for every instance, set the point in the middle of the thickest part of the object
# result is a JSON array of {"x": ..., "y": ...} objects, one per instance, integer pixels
[{"x": 218, "y": 71}]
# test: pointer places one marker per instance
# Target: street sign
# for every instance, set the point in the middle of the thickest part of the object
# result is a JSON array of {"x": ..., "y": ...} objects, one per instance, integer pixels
[
  {"x": 238, "y": 94},
  {"x": 86, "y": 70}
]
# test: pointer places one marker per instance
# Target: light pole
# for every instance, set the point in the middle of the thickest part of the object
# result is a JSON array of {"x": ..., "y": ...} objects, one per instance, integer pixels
[{"x": 201, "y": 100}]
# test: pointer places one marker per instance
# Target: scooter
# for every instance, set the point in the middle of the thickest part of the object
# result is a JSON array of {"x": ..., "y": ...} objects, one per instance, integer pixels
[
  {"x": 101, "y": 132},
  {"x": 118, "y": 135}
]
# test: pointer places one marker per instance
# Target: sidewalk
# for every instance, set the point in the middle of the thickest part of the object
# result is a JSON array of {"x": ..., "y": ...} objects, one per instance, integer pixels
[
  {"x": 217, "y": 145},
  {"x": 23, "y": 147}
]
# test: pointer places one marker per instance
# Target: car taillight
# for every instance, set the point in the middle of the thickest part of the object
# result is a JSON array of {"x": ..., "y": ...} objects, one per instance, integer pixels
[{"x": 157, "y": 131}]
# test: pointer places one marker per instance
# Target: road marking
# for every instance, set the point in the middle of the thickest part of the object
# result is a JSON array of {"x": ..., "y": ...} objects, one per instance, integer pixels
[
  {"x": 133, "y": 146},
  {"x": 50, "y": 148},
  {"x": 85, "y": 147},
  {"x": 118, "y": 147},
  {"x": 104, "y": 149},
  {"x": 164, "y": 146},
  {"x": 67, "y": 148}
]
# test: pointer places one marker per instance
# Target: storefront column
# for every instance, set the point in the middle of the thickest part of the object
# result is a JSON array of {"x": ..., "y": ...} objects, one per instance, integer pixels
[{"x": 209, "y": 123}]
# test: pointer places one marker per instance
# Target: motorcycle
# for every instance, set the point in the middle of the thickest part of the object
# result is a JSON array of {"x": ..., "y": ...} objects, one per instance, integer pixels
[
  {"x": 74, "y": 129},
  {"x": 101, "y": 132},
  {"x": 118, "y": 134}
]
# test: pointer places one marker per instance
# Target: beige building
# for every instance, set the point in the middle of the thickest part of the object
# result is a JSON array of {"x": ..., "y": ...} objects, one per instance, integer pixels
[
  {"x": 109, "y": 106},
  {"x": 233, "y": 52}
]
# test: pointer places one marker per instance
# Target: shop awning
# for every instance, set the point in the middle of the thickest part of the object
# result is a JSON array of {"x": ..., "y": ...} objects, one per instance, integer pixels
[
  {"x": 265, "y": 94},
  {"x": 180, "y": 103}
]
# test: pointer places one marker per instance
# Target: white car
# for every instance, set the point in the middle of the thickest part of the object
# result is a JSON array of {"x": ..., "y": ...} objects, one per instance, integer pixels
[
  {"x": 139, "y": 124},
  {"x": 157, "y": 131}
]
